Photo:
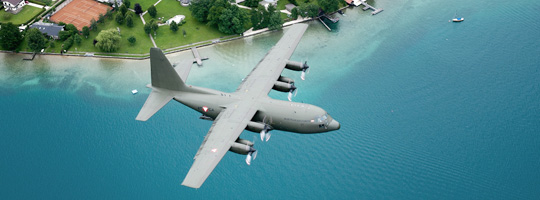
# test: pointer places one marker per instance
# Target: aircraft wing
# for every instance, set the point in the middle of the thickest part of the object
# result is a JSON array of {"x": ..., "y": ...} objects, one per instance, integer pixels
[
  {"x": 226, "y": 128},
  {"x": 261, "y": 80}
]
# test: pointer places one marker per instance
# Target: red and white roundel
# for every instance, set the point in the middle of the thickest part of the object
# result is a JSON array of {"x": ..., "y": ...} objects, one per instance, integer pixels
[{"x": 205, "y": 109}]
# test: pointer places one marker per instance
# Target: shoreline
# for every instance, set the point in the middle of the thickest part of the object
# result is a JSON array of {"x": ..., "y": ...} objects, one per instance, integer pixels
[{"x": 173, "y": 49}]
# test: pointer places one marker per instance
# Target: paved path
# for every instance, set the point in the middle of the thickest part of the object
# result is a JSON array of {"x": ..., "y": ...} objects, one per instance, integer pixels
[
  {"x": 153, "y": 42},
  {"x": 35, "y": 5}
]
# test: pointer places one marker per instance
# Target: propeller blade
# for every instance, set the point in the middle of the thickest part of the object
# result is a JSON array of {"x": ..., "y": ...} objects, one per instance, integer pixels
[
  {"x": 248, "y": 158},
  {"x": 263, "y": 133},
  {"x": 254, "y": 154},
  {"x": 290, "y": 96},
  {"x": 295, "y": 92},
  {"x": 303, "y": 75},
  {"x": 268, "y": 136}
]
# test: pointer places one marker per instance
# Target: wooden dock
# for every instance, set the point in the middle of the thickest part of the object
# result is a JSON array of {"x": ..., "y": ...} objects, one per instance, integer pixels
[
  {"x": 325, "y": 24},
  {"x": 367, "y": 6},
  {"x": 196, "y": 55},
  {"x": 31, "y": 58}
]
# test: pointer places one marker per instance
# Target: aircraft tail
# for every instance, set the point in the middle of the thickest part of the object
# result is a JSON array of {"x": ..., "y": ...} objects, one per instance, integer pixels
[
  {"x": 165, "y": 81},
  {"x": 163, "y": 74}
]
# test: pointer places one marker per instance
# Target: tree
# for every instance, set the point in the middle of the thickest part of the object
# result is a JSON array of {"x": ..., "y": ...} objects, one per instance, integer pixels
[
  {"x": 68, "y": 43},
  {"x": 132, "y": 40},
  {"x": 119, "y": 18},
  {"x": 173, "y": 26},
  {"x": 71, "y": 28},
  {"x": 51, "y": 44},
  {"x": 10, "y": 37},
  {"x": 257, "y": 17},
  {"x": 127, "y": 3},
  {"x": 129, "y": 20},
  {"x": 123, "y": 9},
  {"x": 85, "y": 31},
  {"x": 275, "y": 22},
  {"x": 274, "y": 18},
  {"x": 138, "y": 9},
  {"x": 294, "y": 13},
  {"x": 293, "y": 2},
  {"x": 101, "y": 18},
  {"x": 93, "y": 24},
  {"x": 252, "y": 3},
  {"x": 216, "y": 11},
  {"x": 200, "y": 9},
  {"x": 63, "y": 35},
  {"x": 308, "y": 10},
  {"x": 108, "y": 14},
  {"x": 152, "y": 11},
  {"x": 329, "y": 5},
  {"x": 148, "y": 28},
  {"x": 232, "y": 20},
  {"x": 108, "y": 40},
  {"x": 154, "y": 26},
  {"x": 77, "y": 39},
  {"x": 36, "y": 41}
]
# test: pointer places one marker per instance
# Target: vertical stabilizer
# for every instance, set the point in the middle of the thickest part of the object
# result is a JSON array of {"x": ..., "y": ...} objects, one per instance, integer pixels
[
  {"x": 163, "y": 74},
  {"x": 165, "y": 81}
]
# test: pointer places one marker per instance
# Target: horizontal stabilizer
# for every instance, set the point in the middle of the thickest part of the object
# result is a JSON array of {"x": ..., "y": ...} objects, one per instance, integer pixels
[{"x": 156, "y": 100}]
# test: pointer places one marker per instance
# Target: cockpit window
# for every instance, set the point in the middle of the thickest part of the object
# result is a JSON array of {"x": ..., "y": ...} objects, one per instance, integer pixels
[{"x": 322, "y": 118}]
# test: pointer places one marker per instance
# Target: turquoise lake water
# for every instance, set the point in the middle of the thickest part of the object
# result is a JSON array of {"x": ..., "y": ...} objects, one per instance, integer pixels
[{"x": 428, "y": 109}]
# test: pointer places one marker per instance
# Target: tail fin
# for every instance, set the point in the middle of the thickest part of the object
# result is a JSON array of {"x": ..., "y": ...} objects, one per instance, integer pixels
[
  {"x": 163, "y": 74},
  {"x": 165, "y": 80}
]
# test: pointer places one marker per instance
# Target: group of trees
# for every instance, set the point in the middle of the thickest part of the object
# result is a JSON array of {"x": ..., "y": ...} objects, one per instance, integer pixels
[
  {"x": 123, "y": 15},
  {"x": 10, "y": 37},
  {"x": 228, "y": 18},
  {"x": 262, "y": 18}
]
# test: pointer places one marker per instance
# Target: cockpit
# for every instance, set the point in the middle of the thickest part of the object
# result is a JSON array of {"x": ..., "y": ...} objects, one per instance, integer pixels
[{"x": 322, "y": 120}]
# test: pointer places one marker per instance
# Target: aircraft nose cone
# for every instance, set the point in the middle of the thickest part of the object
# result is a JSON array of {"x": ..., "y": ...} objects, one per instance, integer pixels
[{"x": 334, "y": 125}]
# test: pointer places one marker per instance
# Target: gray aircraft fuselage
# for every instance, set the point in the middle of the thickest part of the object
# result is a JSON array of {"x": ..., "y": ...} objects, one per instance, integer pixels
[{"x": 280, "y": 115}]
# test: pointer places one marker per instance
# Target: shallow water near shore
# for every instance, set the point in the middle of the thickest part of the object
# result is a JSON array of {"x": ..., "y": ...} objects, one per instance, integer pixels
[{"x": 429, "y": 110}]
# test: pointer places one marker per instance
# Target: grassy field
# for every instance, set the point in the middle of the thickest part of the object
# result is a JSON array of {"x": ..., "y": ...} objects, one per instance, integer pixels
[
  {"x": 195, "y": 30},
  {"x": 27, "y": 13},
  {"x": 142, "y": 45}
]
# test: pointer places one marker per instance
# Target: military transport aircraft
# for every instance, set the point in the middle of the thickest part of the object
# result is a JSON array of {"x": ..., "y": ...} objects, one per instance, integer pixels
[{"x": 249, "y": 107}]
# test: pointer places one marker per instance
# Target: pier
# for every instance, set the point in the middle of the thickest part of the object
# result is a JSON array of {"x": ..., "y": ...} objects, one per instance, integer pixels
[
  {"x": 198, "y": 58},
  {"x": 367, "y": 6},
  {"x": 325, "y": 24}
]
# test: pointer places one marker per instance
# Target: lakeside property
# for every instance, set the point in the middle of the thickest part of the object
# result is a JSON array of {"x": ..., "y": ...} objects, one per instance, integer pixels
[{"x": 191, "y": 32}]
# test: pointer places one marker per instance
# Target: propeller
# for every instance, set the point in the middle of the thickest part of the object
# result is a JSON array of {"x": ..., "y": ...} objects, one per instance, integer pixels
[
  {"x": 304, "y": 69},
  {"x": 265, "y": 133},
  {"x": 251, "y": 154},
  {"x": 293, "y": 89}
]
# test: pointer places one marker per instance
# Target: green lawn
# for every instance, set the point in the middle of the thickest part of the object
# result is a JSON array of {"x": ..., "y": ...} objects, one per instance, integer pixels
[
  {"x": 195, "y": 30},
  {"x": 145, "y": 4},
  {"x": 142, "y": 45},
  {"x": 27, "y": 13}
]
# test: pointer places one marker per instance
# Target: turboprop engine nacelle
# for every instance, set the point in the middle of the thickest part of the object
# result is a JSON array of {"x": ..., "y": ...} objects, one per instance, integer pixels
[
  {"x": 256, "y": 127},
  {"x": 285, "y": 79},
  {"x": 293, "y": 65},
  {"x": 240, "y": 148},
  {"x": 283, "y": 87}
]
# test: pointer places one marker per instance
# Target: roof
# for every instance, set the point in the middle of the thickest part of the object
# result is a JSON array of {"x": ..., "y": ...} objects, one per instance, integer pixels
[
  {"x": 289, "y": 7},
  {"x": 48, "y": 28},
  {"x": 13, "y": 2}
]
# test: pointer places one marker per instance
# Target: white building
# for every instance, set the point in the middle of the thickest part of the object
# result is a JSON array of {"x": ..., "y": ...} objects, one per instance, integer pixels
[
  {"x": 13, "y": 6},
  {"x": 177, "y": 19}
]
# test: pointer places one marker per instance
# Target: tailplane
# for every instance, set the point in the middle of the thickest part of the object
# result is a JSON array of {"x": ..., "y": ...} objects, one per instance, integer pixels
[{"x": 165, "y": 81}]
